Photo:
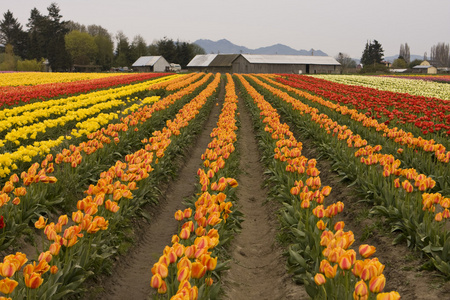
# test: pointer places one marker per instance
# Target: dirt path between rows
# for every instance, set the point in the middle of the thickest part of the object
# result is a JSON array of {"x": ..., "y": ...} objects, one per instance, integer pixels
[
  {"x": 258, "y": 268},
  {"x": 132, "y": 274}
]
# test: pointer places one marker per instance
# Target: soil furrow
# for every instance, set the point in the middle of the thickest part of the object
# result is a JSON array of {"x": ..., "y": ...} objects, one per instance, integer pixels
[
  {"x": 257, "y": 265},
  {"x": 132, "y": 274}
]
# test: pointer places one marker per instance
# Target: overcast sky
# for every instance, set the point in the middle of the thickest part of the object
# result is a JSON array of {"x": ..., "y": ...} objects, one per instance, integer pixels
[{"x": 332, "y": 26}]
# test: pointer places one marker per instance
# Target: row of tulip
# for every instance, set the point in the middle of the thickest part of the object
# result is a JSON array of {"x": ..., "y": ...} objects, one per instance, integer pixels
[
  {"x": 76, "y": 165},
  {"x": 397, "y": 85},
  {"x": 36, "y": 78},
  {"x": 33, "y": 145},
  {"x": 408, "y": 112},
  {"x": 405, "y": 197},
  {"x": 114, "y": 199},
  {"x": 187, "y": 268},
  {"x": 320, "y": 254},
  {"x": 436, "y": 78},
  {"x": 425, "y": 155},
  {"x": 14, "y": 95},
  {"x": 398, "y": 135},
  {"x": 31, "y": 113}
]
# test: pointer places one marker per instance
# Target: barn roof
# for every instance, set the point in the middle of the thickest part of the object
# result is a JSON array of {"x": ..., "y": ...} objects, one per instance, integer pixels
[
  {"x": 201, "y": 60},
  {"x": 223, "y": 60},
  {"x": 290, "y": 59},
  {"x": 145, "y": 61}
]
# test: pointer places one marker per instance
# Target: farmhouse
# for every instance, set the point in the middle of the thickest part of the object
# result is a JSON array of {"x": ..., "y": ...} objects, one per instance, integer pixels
[
  {"x": 150, "y": 64},
  {"x": 257, "y": 63},
  {"x": 425, "y": 67}
]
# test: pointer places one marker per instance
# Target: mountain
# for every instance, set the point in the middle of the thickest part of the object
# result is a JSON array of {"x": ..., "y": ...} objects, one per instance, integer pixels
[{"x": 226, "y": 47}]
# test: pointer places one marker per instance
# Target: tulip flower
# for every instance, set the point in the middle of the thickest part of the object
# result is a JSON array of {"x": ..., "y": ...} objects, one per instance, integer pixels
[
  {"x": 198, "y": 270},
  {"x": 156, "y": 281},
  {"x": 388, "y": 296},
  {"x": 361, "y": 290},
  {"x": 33, "y": 280},
  {"x": 39, "y": 224},
  {"x": 319, "y": 279},
  {"x": 7, "y": 285},
  {"x": 366, "y": 250},
  {"x": 376, "y": 284}
]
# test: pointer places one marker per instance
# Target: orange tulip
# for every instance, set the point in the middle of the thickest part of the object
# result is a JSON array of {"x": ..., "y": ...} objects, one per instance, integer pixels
[
  {"x": 33, "y": 280},
  {"x": 156, "y": 281},
  {"x": 321, "y": 225},
  {"x": 163, "y": 288},
  {"x": 8, "y": 268},
  {"x": 54, "y": 269},
  {"x": 185, "y": 233},
  {"x": 345, "y": 262},
  {"x": 183, "y": 274},
  {"x": 319, "y": 279},
  {"x": 376, "y": 284},
  {"x": 388, "y": 296},
  {"x": 211, "y": 263},
  {"x": 361, "y": 290},
  {"x": 161, "y": 269},
  {"x": 39, "y": 224},
  {"x": 7, "y": 285},
  {"x": 366, "y": 250},
  {"x": 198, "y": 270},
  {"x": 329, "y": 271}
]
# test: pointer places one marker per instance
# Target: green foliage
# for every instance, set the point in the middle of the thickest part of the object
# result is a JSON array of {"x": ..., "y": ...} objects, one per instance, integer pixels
[
  {"x": 374, "y": 68},
  {"x": 175, "y": 52},
  {"x": 81, "y": 47},
  {"x": 399, "y": 63},
  {"x": 30, "y": 65},
  {"x": 373, "y": 53}
]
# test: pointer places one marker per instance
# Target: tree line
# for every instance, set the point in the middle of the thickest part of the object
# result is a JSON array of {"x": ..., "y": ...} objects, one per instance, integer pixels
[
  {"x": 67, "y": 44},
  {"x": 373, "y": 55}
]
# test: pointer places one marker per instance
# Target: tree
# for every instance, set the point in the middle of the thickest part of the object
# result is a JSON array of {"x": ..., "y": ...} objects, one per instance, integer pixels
[
  {"x": 81, "y": 47},
  {"x": 36, "y": 37},
  {"x": 123, "y": 50},
  {"x": 55, "y": 30},
  {"x": 404, "y": 53},
  {"x": 11, "y": 33},
  {"x": 138, "y": 48},
  {"x": 10, "y": 61},
  {"x": 105, "y": 54},
  {"x": 440, "y": 54},
  {"x": 414, "y": 63},
  {"x": 399, "y": 63},
  {"x": 373, "y": 53},
  {"x": 346, "y": 62}
]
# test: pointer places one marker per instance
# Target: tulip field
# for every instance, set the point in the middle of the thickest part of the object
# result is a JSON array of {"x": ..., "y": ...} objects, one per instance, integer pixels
[{"x": 86, "y": 157}]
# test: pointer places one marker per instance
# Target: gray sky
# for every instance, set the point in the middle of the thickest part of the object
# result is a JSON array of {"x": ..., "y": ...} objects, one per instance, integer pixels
[{"x": 332, "y": 26}]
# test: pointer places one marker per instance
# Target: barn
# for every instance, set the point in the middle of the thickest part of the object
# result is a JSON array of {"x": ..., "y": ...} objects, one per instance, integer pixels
[
  {"x": 200, "y": 63},
  {"x": 150, "y": 64},
  {"x": 258, "y": 63}
]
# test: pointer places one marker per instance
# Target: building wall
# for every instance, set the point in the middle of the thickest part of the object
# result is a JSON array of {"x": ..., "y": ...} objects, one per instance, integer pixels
[
  {"x": 160, "y": 65},
  {"x": 241, "y": 65}
]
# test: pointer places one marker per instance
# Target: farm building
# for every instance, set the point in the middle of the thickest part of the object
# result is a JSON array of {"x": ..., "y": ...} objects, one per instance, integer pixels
[
  {"x": 150, "y": 64},
  {"x": 425, "y": 67},
  {"x": 256, "y": 63}
]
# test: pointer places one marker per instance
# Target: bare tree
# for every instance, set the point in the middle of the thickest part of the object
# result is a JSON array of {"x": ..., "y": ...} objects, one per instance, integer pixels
[
  {"x": 345, "y": 61},
  {"x": 440, "y": 54},
  {"x": 404, "y": 53}
]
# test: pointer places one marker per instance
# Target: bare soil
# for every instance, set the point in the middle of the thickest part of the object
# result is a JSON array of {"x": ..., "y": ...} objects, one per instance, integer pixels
[{"x": 257, "y": 265}]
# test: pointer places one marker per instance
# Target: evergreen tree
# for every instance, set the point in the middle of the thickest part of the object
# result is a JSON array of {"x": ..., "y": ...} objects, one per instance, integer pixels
[
  {"x": 36, "y": 38},
  {"x": 11, "y": 33},
  {"x": 55, "y": 30},
  {"x": 372, "y": 54}
]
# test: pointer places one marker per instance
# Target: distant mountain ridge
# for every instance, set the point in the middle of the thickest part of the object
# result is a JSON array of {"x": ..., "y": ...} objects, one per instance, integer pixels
[{"x": 226, "y": 47}]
